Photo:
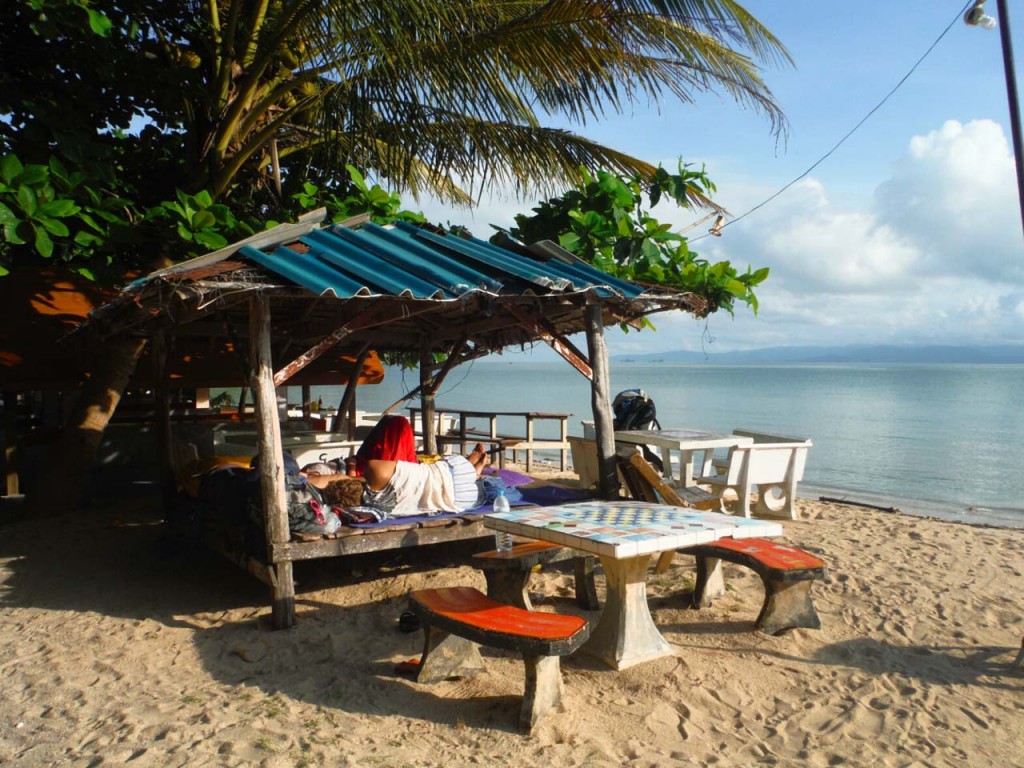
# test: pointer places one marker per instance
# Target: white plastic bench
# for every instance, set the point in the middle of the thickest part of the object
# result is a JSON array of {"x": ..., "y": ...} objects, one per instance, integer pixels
[{"x": 774, "y": 467}]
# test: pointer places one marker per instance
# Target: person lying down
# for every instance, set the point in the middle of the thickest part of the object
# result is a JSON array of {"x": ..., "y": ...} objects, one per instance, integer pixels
[{"x": 395, "y": 483}]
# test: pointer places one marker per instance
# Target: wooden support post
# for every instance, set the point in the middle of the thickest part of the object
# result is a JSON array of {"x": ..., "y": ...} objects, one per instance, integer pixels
[
  {"x": 162, "y": 423},
  {"x": 427, "y": 403},
  {"x": 271, "y": 460},
  {"x": 600, "y": 398},
  {"x": 9, "y": 444},
  {"x": 563, "y": 435}
]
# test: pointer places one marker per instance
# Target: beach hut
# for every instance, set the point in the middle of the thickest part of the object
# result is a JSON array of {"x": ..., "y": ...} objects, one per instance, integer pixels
[
  {"x": 38, "y": 372},
  {"x": 300, "y": 291}
]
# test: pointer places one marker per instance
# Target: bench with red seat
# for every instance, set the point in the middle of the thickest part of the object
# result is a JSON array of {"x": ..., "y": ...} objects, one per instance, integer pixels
[
  {"x": 456, "y": 620},
  {"x": 787, "y": 573}
]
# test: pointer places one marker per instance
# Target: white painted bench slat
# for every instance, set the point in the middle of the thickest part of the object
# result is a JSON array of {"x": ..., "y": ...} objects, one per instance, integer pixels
[{"x": 773, "y": 463}]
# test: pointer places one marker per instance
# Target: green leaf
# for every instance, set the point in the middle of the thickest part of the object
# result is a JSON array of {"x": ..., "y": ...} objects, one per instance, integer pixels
[
  {"x": 356, "y": 176},
  {"x": 7, "y": 215},
  {"x": 44, "y": 245},
  {"x": 184, "y": 233},
  {"x": 203, "y": 199},
  {"x": 87, "y": 239},
  {"x": 570, "y": 241},
  {"x": 35, "y": 174},
  {"x": 27, "y": 200},
  {"x": 203, "y": 220},
  {"x": 90, "y": 222},
  {"x": 99, "y": 23},
  {"x": 649, "y": 249},
  {"x": 735, "y": 287},
  {"x": 55, "y": 227},
  {"x": 10, "y": 168},
  {"x": 211, "y": 240},
  {"x": 59, "y": 208},
  {"x": 11, "y": 233},
  {"x": 758, "y": 277}
]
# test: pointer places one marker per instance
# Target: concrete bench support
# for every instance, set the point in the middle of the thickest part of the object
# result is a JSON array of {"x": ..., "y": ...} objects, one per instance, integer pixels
[{"x": 508, "y": 573}]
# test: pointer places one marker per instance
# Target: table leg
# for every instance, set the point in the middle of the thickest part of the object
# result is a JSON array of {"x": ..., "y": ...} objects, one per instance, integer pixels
[
  {"x": 626, "y": 634},
  {"x": 686, "y": 468}
]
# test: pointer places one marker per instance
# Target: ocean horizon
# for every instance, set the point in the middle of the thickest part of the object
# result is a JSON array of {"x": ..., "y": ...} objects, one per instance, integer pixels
[{"x": 931, "y": 439}]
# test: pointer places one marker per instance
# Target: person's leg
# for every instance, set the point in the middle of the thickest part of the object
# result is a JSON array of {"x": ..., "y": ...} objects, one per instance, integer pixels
[
  {"x": 467, "y": 490},
  {"x": 378, "y": 473}
]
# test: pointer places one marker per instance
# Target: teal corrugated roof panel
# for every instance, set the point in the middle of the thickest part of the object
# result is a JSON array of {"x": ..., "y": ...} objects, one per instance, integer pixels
[
  {"x": 413, "y": 262},
  {"x": 434, "y": 264},
  {"x": 578, "y": 274},
  {"x": 367, "y": 268},
  {"x": 305, "y": 270},
  {"x": 581, "y": 272},
  {"x": 492, "y": 257}
]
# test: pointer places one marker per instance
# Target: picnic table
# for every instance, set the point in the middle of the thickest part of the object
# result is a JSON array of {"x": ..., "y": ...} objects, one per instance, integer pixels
[{"x": 624, "y": 535}]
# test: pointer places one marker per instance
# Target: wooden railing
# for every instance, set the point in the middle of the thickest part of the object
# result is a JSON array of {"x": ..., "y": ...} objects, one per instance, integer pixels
[{"x": 482, "y": 427}]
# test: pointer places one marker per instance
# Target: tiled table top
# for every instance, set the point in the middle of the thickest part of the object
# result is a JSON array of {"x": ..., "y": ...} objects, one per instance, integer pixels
[{"x": 624, "y": 529}]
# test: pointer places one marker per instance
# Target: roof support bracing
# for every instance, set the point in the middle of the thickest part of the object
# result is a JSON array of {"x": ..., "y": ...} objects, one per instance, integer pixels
[
  {"x": 346, "y": 408},
  {"x": 543, "y": 330},
  {"x": 368, "y": 318}
]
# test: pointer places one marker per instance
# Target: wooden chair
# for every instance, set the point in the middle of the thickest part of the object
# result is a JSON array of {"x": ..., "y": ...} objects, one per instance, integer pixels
[
  {"x": 584, "y": 460},
  {"x": 645, "y": 483}
]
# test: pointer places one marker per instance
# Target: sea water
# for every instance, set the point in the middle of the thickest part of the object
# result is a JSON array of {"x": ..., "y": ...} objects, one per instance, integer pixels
[{"x": 930, "y": 439}]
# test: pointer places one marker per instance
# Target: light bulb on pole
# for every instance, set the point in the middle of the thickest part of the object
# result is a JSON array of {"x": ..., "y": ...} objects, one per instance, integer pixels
[{"x": 976, "y": 17}]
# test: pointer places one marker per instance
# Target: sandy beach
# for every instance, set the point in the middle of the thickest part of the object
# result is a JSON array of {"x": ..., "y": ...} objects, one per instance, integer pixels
[{"x": 119, "y": 648}]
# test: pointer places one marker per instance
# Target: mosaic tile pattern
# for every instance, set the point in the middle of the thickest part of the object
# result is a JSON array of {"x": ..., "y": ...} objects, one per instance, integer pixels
[{"x": 626, "y": 528}]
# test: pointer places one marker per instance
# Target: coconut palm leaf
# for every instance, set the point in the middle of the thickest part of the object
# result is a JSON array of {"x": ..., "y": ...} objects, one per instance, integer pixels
[{"x": 427, "y": 92}]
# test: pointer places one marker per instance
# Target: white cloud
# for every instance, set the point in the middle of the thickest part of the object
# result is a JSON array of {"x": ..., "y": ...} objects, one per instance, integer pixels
[
  {"x": 937, "y": 256},
  {"x": 954, "y": 195}
]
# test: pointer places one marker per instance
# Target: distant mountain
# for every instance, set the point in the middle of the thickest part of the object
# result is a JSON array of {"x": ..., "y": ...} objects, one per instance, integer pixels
[{"x": 856, "y": 353}]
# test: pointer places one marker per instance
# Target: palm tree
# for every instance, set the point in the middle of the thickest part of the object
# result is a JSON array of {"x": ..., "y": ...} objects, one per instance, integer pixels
[{"x": 447, "y": 97}]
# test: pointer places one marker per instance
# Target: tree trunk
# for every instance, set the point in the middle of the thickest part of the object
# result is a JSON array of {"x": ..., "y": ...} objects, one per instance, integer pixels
[{"x": 64, "y": 483}]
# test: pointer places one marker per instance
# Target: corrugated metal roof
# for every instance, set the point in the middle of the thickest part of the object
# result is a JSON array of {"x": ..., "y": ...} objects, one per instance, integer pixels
[
  {"x": 403, "y": 289},
  {"x": 409, "y": 262}
]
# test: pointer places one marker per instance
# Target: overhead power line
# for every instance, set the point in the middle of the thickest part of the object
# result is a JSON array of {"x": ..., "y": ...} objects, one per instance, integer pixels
[{"x": 853, "y": 130}]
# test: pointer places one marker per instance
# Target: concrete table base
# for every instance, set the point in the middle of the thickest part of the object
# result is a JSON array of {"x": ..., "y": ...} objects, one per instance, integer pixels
[{"x": 626, "y": 634}]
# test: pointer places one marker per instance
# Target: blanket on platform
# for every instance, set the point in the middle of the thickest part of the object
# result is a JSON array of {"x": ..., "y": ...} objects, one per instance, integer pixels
[{"x": 539, "y": 496}]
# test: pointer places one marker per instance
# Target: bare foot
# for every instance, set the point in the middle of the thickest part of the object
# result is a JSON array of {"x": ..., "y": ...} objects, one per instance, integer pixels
[{"x": 477, "y": 454}]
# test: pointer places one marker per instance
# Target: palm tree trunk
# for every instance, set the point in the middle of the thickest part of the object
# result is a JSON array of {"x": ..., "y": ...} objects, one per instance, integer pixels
[{"x": 64, "y": 483}]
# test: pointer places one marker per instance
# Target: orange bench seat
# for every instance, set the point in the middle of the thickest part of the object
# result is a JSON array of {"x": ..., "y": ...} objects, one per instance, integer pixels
[{"x": 456, "y": 619}]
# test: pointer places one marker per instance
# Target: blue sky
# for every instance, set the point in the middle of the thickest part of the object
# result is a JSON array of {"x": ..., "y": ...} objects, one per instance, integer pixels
[{"x": 909, "y": 233}]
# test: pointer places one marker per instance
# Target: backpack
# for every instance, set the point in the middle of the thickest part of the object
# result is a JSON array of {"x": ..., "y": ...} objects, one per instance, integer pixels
[
  {"x": 633, "y": 409},
  {"x": 307, "y": 510}
]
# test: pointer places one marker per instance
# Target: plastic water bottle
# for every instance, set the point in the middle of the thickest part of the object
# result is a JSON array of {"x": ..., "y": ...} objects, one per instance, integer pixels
[{"x": 502, "y": 540}]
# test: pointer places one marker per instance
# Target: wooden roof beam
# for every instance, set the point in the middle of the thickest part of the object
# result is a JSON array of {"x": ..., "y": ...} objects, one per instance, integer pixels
[{"x": 539, "y": 327}]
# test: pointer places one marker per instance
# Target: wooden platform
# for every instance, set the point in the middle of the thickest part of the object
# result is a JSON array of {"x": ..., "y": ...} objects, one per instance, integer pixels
[{"x": 228, "y": 541}]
